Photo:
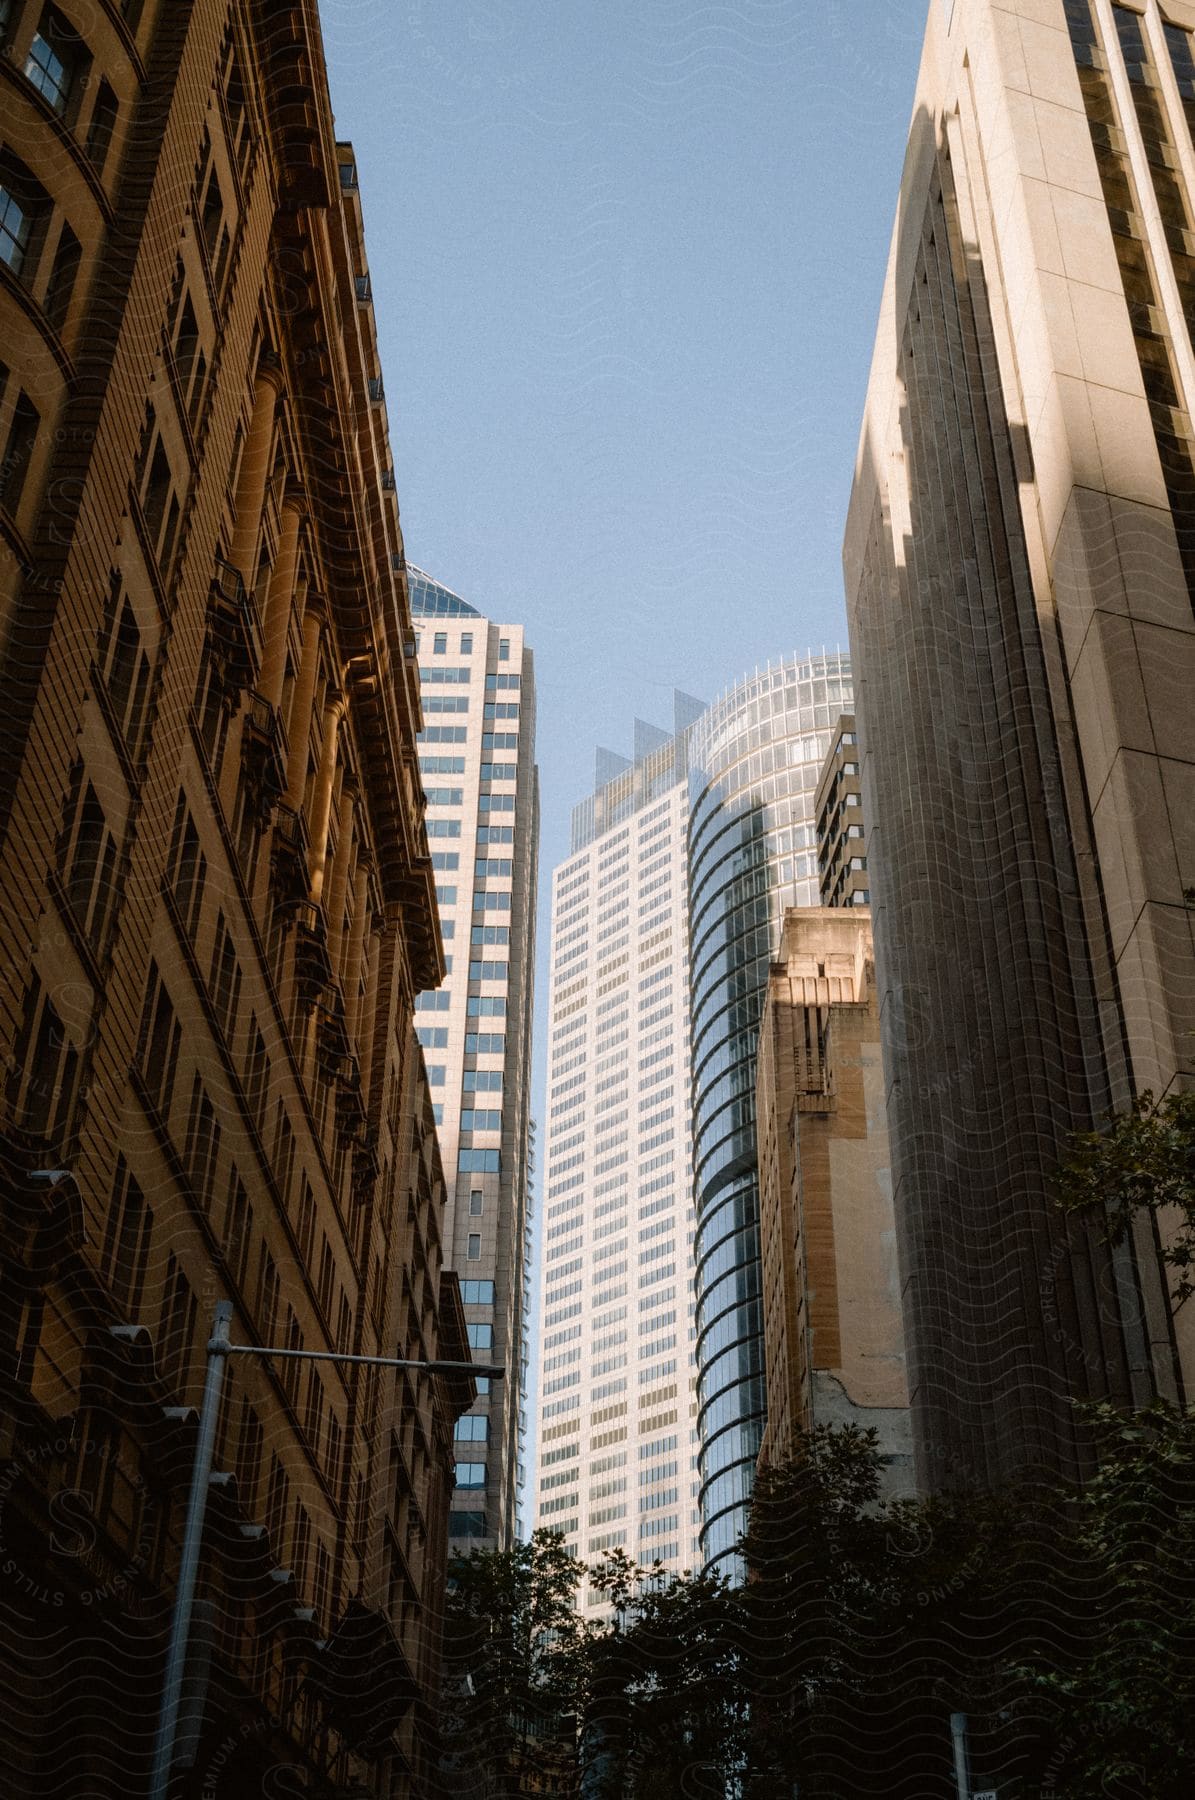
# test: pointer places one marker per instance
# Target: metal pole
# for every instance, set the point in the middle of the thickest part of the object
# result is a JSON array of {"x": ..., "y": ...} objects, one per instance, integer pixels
[
  {"x": 180, "y": 1623},
  {"x": 962, "y": 1773},
  {"x": 495, "y": 1371},
  {"x": 219, "y": 1349}
]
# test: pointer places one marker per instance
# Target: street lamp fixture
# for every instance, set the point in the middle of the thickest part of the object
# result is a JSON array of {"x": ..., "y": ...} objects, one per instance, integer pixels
[{"x": 219, "y": 1349}]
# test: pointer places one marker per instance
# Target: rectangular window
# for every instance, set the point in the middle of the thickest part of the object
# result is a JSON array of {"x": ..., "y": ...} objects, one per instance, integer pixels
[
  {"x": 16, "y": 225},
  {"x": 177, "y": 1325},
  {"x": 472, "y": 1429},
  {"x": 477, "y": 1293},
  {"x": 479, "y": 1162},
  {"x": 466, "y": 1525},
  {"x": 88, "y": 860},
  {"x": 440, "y": 644},
  {"x": 481, "y": 1336},
  {"x": 476, "y": 1203},
  {"x": 103, "y": 124},
  {"x": 503, "y": 649},
  {"x": 267, "y": 1296},
  {"x": 202, "y": 1144},
  {"x": 236, "y": 1231},
  {"x": 490, "y": 934},
  {"x": 19, "y": 445},
  {"x": 57, "y": 62},
  {"x": 126, "y": 1246},
  {"x": 482, "y": 1081},
  {"x": 161, "y": 1038},
  {"x": 466, "y": 643},
  {"x": 63, "y": 271},
  {"x": 470, "y": 1475},
  {"x": 488, "y": 1120},
  {"x": 124, "y": 666},
  {"x": 474, "y": 1251}
]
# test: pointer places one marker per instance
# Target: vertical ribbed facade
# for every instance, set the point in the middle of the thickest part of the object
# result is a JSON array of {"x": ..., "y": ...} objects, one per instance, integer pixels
[
  {"x": 754, "y": 759},
  {"x": 1020, "y": 580},
  {"x": 477, "y": 765}
]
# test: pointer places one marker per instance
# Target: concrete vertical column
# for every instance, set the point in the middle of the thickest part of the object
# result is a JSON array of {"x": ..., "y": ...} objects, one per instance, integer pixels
[
  {"x": 321, "y": 807},
  {"x": 365, "y": 1033},
  {"x": 338, "y": 888},
  {"x": 255, "y": 471},
  {"x": 280, "y": 599},
  {"x": 352, "y": 965},
  {"x": 300, "y": 718}
]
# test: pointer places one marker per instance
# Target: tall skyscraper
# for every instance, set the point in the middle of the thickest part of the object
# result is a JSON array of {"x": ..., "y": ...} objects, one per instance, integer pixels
[
  {"x": 1020, "y": 567},
  {"x": 755, "y": 757},
  {"x": 477, "y": 764},
  {"x": 617, "y": 1436}
]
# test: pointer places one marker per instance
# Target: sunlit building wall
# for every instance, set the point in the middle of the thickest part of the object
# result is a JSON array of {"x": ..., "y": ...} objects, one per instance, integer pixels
[
  {"x": 617, "y": 1437},
  {"x": 1020, "y": 573},
  {"x": 477, "y": 765}
]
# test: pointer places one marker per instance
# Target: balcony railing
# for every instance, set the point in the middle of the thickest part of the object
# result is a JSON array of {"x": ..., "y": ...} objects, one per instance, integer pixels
[
  {"x": 234, "y": 625},
  {"x": 263, "y": 747}
]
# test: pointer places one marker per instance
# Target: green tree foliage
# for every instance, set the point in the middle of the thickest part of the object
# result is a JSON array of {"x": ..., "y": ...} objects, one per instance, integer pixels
[
  {"x": 516, "y": 1661},
  {"x": 1122, "y": 1713},
  {"x": 1061, "y": 1622},
  {"x": 1143, "y": 1161},
  {"x": 669, "y": 1713}
]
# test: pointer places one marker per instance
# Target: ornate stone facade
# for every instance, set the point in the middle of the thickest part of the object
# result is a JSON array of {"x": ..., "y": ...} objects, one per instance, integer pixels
[{"x": 217, "y": 908}]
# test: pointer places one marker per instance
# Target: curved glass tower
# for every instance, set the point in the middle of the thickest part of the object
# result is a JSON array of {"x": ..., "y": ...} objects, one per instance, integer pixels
[{"x": 754, "y": 760}]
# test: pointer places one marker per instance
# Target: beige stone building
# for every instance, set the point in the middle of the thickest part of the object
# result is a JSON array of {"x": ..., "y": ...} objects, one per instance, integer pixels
[
  {"x": 833, "y": 1339},
  {"x": 217, "y": 907},
  {"x": 477, "y": 763},
  {"x": 1020, "y": 567}
]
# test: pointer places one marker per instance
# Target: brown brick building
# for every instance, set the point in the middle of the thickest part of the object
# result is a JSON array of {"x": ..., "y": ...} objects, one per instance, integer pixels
[
  {"x": 217, "y": 909},
  {"x": 833, "y": 1337}
]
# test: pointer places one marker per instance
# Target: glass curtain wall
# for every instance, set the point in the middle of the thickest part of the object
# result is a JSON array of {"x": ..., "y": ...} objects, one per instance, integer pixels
[{"x": 755, "y": 756}]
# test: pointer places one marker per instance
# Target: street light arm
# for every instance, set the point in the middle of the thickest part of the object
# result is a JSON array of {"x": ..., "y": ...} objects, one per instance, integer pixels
[
  {"x": 218, "y": 1350},
  {"x": 494, "y": 1371}
]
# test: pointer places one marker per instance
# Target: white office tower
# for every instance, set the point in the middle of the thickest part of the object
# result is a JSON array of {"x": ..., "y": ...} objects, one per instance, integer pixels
[
  {"x": 477, "y": 765},
  {"x": 617, "y": 1448}
]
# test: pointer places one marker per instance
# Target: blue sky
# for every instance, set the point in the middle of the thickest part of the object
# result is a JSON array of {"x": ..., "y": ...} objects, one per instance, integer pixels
[{"x": 626, "y": 262}]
